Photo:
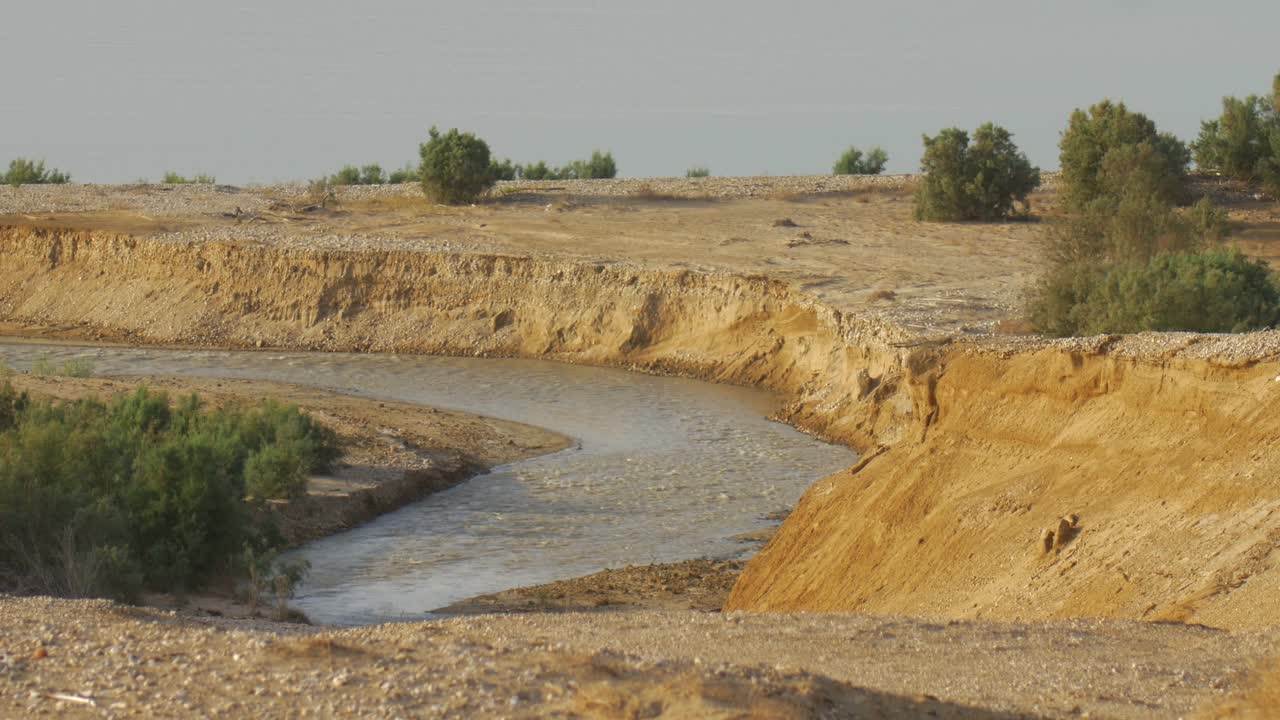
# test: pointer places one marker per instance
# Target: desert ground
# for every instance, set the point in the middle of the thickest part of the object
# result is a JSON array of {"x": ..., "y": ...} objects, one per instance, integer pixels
[{"x": 909, "y": 585}]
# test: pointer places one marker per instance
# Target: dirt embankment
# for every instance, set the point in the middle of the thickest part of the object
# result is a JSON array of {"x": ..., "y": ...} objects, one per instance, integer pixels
[
  {"x": 839, "y": 369},
  {"x": 1165, "y": 471},
  {"x": 1158, "y": 448}
]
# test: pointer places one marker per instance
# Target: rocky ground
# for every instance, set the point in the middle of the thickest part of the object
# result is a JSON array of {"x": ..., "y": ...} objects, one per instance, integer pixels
[{"x": 92, "y": 659}]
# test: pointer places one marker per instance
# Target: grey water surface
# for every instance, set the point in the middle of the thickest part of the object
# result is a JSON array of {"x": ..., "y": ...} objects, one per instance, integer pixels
[{"x": 663, "y": 469}]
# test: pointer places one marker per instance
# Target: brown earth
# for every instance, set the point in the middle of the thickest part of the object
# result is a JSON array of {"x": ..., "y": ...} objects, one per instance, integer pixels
[
  {"x": 1161, "y": 446},
  {"x": 95, "y": 659},
  {"x": 701, "y": 585}
]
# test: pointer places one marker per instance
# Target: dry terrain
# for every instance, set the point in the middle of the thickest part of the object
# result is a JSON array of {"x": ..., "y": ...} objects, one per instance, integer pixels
[
  {"x": 94, "y": 659},
  {"x": 1149, "y": 458}
]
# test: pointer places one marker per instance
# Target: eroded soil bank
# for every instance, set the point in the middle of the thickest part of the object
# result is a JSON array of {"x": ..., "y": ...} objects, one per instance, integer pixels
[{"x": 1160, "y": 445}]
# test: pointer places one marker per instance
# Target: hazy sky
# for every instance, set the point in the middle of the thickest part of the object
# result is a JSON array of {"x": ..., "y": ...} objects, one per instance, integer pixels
[{"x": 116, "y": 90}]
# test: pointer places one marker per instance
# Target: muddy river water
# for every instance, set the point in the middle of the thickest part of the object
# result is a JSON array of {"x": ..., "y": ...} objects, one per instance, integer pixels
[{"x": 663, "y": 469}]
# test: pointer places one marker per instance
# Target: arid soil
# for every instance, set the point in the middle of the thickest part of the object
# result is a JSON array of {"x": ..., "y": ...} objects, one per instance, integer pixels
[
  {"x": 1156, "y": 449},
  {"x": 691, "y": 585}
]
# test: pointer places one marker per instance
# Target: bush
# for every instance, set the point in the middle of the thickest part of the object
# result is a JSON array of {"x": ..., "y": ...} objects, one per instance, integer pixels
[
  {"x": 1128, "y": 220},
  {"x": 1213, "y": 291},
  {"x": 504, "y": 170},
  {"x": 598, "y": 166},
  {"x": 408, "y": 173},
  {"x": 371, "y": 174},
  {"x": 173, "y": 178},
  {"x": 984, "y": 180},
  {"x": 107, "y": 498},
  {"x": 455, "y": 167},
  {"x": 1243, "y": 142},
  {"x": 1108, "y": 127},
  {"x": 852, "y": 162},
  {"x": 698, "y": 171},
  {"x": 26, "y": 172},
  {"x": 538, "y": 171}
]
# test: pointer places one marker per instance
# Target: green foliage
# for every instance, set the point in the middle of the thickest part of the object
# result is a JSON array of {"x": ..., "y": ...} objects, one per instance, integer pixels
[
  {"x": 455, "y": 167},
  {"x": 173, "y": 178},
  {"x": 852, "y": 162},
  {"x": 77, "y": 368},
  {"x": 1109, "y": 127},
  {"x": 982, "y": 180},
  {"x": 504, "y": 170},
  {"x": 698, "y": 171},
  {"x": 74, "y": 367},
  {"x": 408, "y": 173},
  {"x": 598, "y": 166},
  {"x": 1217, "y": 290},
  {"x": 1244, "y": 142},
  {"x": 27, "y": 172},
  {"x": 43, "y": 365},
  {"x": 371, "y": 174},
  {"x": 108, "y": 498},
  {"x": 538, "y": 171}
]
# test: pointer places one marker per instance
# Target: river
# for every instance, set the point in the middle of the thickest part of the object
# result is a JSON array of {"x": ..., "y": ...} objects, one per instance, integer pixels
[{"x": 664, "y": 469}]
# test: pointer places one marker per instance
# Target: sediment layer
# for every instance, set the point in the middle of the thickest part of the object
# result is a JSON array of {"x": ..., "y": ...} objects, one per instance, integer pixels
[{"x": 1159, "y": 445}]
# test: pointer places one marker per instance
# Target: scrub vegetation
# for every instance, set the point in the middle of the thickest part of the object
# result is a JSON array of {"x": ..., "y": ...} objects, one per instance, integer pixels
[
  {"x": 1124, "y": 257},
  {"x": 983, "y": 179},
  {"x": 173, "y": 178},
  {"x": 32, "y": 172},
  {"x": 144, "y": 492},
  {"x": 854, "y": 162}
]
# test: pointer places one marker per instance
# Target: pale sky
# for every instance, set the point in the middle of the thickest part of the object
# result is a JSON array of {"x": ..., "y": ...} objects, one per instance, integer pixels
[{"x": 117, "y": 90}]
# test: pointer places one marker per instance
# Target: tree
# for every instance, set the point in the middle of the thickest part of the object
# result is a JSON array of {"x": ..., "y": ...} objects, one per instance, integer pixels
[
  {"x": 1244, "y": 141},
  {"x": 984, "y": 180},
  {"x": 1108, "y": 126},
  {"x": 27, "y": 172},
  {"x": 455, "y": 167},
  {"x": 852, "y": 162},
  {"x": 599, "y": 166}
]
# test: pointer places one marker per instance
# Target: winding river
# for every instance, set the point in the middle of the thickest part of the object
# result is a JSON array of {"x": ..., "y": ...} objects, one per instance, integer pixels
[{"x": 664, "y": 469}]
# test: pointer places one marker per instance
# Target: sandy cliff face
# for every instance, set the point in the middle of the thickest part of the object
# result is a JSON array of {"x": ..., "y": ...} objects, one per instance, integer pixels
[
  {"x": 1169, "y": 468},
  {"x": 970, "y": 452},
  {"x": 837, "y": 369}
]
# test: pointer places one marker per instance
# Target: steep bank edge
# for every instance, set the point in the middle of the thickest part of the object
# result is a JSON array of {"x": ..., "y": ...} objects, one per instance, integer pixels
[
  {"x": 840, "y": 373},
  {"x": 1169, "y": 468},
  {"x": 974, "y": 454}
]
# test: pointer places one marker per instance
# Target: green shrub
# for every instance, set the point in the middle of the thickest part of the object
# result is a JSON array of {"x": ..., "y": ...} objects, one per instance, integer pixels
[
  {"x": 598, "y": 166},
  {"x": 698, "y": 171},
  {"x": 504, "y": 170},
  {"x": 77, "y": 368},
  {"x": 982, "y": 180},
  {"x": 173, "y": 178},
  {"x": 1127, "y": 220},
  {"x": 1212, "y": 291},
  {"x": 408, "y": 173},
  {"x": 348, "y": 175},
  {"x": 852, "y": 162},
  {"x": 455, "y": 167},
  {"x": 108, "y": 498},
  {"x": 27, "y": 172},
  {"x": 538, "y": 171},
  {"x": 1244, "y": 142},
  {"x": 1109, "y": 127},
  {"x": 43, "y": 365}
]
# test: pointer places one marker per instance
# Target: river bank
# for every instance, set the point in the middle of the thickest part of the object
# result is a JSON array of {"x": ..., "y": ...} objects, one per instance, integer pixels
[{"x": 1151, "y": 449}]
